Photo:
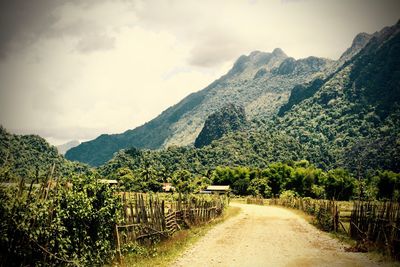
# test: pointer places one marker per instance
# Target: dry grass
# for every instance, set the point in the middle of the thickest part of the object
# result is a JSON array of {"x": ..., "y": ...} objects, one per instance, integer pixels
[
  {"x": 241, "y": 200},
  {"x": 166, "y": 251}
]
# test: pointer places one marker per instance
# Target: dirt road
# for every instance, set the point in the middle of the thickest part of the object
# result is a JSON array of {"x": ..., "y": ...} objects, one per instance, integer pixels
[{"x": 269, "y": 236}]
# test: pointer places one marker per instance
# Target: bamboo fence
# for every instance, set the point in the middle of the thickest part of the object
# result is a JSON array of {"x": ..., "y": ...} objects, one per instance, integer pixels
[
  {"x": 377, "y": 224},
  {"x": 326, "y": 212},
  {"x": 255, "y": 200},
  {"x": 146, "y": 216}
]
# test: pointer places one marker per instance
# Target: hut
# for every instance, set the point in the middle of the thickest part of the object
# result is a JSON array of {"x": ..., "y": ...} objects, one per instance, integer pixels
[
  {"x": 217, "y": 189},
  {"x": 109, "y": 182}
]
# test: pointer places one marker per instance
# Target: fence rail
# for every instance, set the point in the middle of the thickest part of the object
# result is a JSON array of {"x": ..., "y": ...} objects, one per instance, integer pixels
[
  {"x": 255, "y": 200},
  {"x": 146, "y": 215},
  {"x": 377, "y": 224},
  {"x": 326, "y": 212}
]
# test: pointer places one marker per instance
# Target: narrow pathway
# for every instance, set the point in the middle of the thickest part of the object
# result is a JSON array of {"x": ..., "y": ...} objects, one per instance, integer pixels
[{"x": 269, "y": 236}]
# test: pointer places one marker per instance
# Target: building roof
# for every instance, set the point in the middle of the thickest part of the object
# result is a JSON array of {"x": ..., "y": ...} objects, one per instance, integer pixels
[
  {"x": 168, "y": 187},
  {"x": 106, "y": 181},
  {"x": 218, "y": 188}
]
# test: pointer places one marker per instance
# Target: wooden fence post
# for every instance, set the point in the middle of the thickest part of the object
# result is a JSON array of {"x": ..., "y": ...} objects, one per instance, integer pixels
[{"x": 118, "y": 244}]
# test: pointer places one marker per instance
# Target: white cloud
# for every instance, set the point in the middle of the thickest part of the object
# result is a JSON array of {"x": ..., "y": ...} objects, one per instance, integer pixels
[
  {"x": 95, "y": 42},
  {"x": 104, "y": 91}
]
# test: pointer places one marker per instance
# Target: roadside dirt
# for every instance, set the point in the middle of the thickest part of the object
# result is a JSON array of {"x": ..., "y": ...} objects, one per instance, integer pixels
[{"x": 269, "y": 236}]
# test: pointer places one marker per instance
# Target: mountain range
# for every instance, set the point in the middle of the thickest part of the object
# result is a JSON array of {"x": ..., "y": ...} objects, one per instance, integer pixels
[
  {"x": 260, "y": 82},
  {"x": 347, "y": 118},
  {"x": 268, "y": 108}
]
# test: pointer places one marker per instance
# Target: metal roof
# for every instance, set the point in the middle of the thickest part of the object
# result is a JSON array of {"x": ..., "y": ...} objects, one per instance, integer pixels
[
  {"x": 106, "y": 181},
  {"x": 218, "y": 187}
]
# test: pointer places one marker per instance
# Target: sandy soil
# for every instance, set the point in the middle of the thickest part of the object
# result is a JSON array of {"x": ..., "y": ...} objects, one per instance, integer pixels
[{"x": 269, "y": 236}]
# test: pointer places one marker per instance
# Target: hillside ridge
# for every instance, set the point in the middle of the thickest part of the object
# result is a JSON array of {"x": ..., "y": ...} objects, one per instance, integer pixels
[
  {"x": 349, "y": 120},
  {"x": 261, "y": 82}
]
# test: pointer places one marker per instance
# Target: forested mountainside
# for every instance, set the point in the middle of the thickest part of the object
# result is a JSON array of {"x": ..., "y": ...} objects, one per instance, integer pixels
[
  {"x": 260, "y": 82},
  {"x": 229, "y": 118},
  {"x": 353, "y": 119},
  {"x": 30, "y": 157},
  {"x": 349, "y": 119}
]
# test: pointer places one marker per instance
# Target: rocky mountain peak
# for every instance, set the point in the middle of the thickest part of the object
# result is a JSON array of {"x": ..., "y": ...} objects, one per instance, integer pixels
[
  {"x": 361, "y": 39},
  {"x": 227, "y": 119},
  {"x": 358, "y": 43},
  {"x": 279, "y": 53},
  {"x": 247, "y": 66}
]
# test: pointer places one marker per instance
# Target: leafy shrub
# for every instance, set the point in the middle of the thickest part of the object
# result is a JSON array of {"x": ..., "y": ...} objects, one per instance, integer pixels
[
  {"x": 259, "y": 187},
  {"x": 388, "y": 184},
  {"x": 324, "y": 219},
  {"x": 69, "y": 226},
  {"x": 288, "y": 194}
]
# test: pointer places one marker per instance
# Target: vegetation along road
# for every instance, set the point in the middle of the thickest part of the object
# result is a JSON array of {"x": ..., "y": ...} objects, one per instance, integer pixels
[{"x": 269, "y": 236}]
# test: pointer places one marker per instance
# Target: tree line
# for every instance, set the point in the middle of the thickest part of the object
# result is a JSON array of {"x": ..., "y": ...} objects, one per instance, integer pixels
[{"x": 300, "y": 178}]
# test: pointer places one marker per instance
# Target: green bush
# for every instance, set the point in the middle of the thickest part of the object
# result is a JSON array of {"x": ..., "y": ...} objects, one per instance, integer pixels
[
  {"x": 288, "y": 194},
  {"x": 259, "y": 187},
  {"x": 388, "y": 184},
  {"x": 71, "y": 226},
  {"x": 324, "y": 219}
]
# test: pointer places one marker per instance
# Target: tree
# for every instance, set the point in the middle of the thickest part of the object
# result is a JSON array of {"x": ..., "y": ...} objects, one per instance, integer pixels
[
  {"x": 128, "y": 180},
  {"x": 277, "y": 174},
  {"x": 181, "y": 180},
  {"x": 339, "y": 184},
  {"x": 223, "y": 176},
  {"x": 200, "y": 183},
  {"x": 300, "y": 181},
  {"x": 259, "y": 187},
  {"x": 388, "y": 185}
]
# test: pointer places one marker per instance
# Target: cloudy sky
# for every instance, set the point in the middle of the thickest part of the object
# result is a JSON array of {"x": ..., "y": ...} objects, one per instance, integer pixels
[{"x": 72, "y": 70}]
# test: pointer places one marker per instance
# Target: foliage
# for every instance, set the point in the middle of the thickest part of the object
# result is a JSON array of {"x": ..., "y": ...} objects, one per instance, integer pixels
[
  {"x": 325, "y": 212},
  {"x": 238, "y": 178},
  {"x": 345, "y": 115},
  {"x": 339, "y": 184},
  {"x": 229, "y": 118},
  {"x": 200, "y": 183},
  {"x": 277, "y": 173},
  {"x": 66, "y": 226},
  {"x": 336, "y": 138},
  {"x": 259, "y": 187},
  {"x": 288, "y": 194},
  {"x": 30, "y": 157},
  {"x": 128, "y": 180},
  {"x": 299, "y": 93},
  {"x": 181, "y": 180},
  {"x": 388, "y": 185},
  {"x": 272, "y": 179}
]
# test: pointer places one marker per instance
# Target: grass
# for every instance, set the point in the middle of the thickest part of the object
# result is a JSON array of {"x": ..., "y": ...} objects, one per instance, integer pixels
[
  {"x": 166, "y": 251},
  {"x": 241, "y": 200}
]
